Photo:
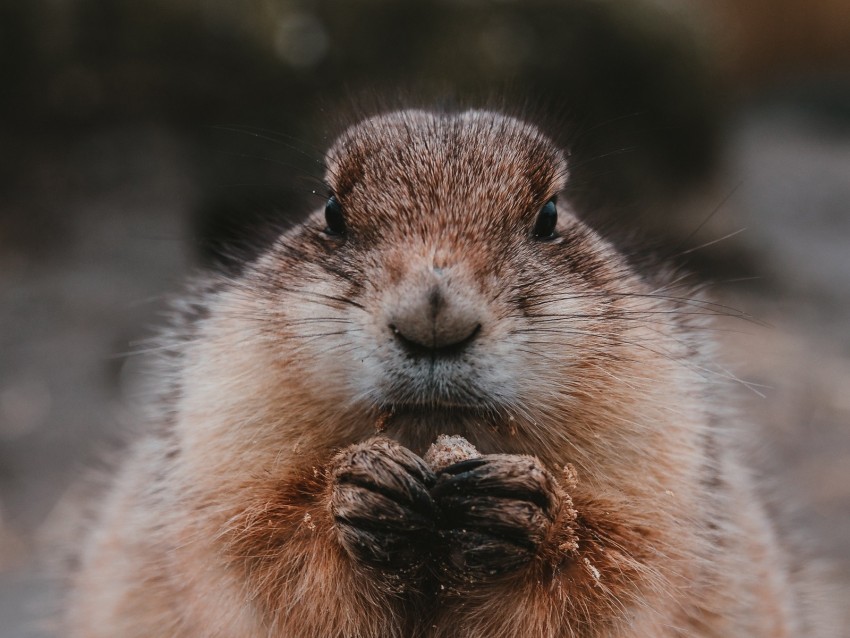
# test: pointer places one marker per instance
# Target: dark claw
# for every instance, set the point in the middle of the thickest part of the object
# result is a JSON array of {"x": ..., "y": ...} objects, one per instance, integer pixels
[
  {"x": 360, "y": 507},
  {"x": 518, "y": 521},
  {"x": 390, "y": 478},
  {"x": 391, "y": 550},
  {"x": 502, "y": 475},
  {"x": 495, "y": 511},
  {"x": 384, "y": 513},
  {"x": 474, "y": 554},
  {"x": 464, "y": 466}
]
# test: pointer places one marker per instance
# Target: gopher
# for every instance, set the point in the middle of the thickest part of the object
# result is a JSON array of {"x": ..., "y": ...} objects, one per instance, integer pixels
[{"x": 444, "y": 288}]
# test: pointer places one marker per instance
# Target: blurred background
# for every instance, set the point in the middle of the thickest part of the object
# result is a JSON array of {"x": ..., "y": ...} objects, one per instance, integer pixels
[{"x": 142, "y": 140}]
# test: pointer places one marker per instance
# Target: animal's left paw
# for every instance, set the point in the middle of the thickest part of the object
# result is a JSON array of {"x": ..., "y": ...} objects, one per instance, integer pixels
[{"x": 495, "y": 512}]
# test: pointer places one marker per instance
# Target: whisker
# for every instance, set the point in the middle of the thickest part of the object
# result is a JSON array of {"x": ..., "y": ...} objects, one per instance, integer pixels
[
  {"x": 675, "y": 252},
  {"x": 712, "y": 242},
  {"x": 275, "y": 137}
]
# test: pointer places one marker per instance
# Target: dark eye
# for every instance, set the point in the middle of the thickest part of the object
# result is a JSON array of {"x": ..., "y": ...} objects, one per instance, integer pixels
[
  {"x": 334, "y": 218},
  {"x": 547, "y": 218}
]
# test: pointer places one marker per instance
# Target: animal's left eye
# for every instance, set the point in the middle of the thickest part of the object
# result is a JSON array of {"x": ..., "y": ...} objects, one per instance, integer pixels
[{"x": 547, "y": 219}]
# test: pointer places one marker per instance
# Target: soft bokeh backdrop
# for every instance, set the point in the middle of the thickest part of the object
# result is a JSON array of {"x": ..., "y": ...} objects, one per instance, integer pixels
[{"x": 139, "y": 140}]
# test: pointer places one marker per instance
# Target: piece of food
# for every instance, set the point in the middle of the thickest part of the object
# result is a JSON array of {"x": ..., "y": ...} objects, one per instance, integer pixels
[{"x": 449, "y": 449}]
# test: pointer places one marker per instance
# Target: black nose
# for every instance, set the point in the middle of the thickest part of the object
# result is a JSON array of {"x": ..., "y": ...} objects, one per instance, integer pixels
[
  {"x": 441, "y": 343},
  {"x": 434, "y": 324}
]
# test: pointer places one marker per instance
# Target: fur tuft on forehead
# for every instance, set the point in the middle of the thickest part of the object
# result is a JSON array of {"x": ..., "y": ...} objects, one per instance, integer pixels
[{"x": 418, "y": 160}]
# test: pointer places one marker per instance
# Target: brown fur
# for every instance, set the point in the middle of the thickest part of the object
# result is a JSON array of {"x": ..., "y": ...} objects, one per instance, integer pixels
[{"x": 266, "y": 504}]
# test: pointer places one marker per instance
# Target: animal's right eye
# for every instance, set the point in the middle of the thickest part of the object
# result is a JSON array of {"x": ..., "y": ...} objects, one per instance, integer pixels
[{"x": 334, "y": 218}]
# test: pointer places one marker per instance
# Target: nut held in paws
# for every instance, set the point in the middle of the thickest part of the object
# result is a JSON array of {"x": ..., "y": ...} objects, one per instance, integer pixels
[{"x": 448, "y": 450}]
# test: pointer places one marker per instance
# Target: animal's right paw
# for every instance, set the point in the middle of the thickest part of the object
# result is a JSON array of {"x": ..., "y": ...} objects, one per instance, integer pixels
[{"x": 381, "y": 504}]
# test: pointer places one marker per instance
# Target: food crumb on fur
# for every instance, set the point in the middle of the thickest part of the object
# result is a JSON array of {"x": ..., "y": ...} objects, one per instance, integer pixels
[
  {"x": 449, "y": 449},
  {"x": 570, "y": 476},
  {"x": 383, "y": 419},
  {"x": 568, "y": 546},
  {"x": 593, "y": 571},
  {"x": 308, "y": 521}
]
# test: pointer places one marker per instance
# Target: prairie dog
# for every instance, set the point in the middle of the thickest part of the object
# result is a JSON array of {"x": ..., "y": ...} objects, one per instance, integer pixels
[{"x": 443, "y": 289}]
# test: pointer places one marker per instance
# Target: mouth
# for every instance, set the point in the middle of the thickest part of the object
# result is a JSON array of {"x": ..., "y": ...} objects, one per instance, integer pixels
[
  {"x": 425, "y": 386},
  {"x": 444, "y": 417},
  {"x": 430, "y": 411},
  {"x": 417, "y": 426},
  {"x": 437, "y": 398}
]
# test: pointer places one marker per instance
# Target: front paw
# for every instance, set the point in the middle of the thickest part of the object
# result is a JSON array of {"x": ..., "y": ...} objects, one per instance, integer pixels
[
  {"x": 384, "y": 514},
  {"x": 496, "y": 512}
]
